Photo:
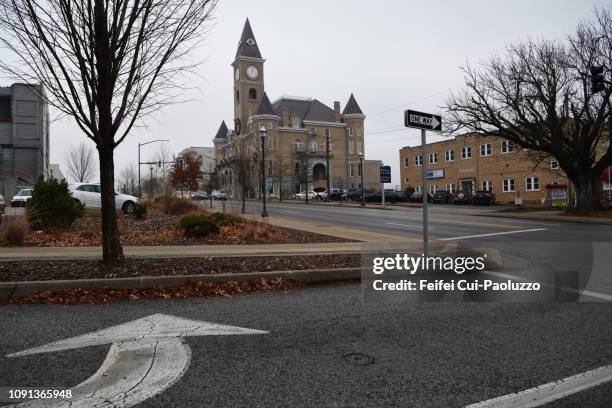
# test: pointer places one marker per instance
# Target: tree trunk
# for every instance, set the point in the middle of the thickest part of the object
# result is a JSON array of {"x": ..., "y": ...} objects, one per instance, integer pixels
[
  {"x": 111, "y": 246},
  {"x": 210, "y": 198},
  {"x": 587, "y": 192},
  {"x": 243, "y": 201}
]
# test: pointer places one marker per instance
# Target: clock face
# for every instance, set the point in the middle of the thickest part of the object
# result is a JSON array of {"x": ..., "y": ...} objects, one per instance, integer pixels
[
  {"x": 252, "y": 72},
  {"x": 237, "y": 74}
]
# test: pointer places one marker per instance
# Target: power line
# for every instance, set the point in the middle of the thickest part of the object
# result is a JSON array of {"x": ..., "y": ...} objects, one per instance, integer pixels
[{"x": 414, "y": 101}]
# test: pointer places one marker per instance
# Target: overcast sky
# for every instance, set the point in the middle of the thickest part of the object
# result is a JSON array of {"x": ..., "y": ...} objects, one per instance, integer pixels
[{"x": 391, "y": 54}]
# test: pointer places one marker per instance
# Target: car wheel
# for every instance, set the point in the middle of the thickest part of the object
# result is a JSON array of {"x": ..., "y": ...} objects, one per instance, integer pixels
[
  {"x": 76, "y": 201},
  {"x": 128, "y": 207}
]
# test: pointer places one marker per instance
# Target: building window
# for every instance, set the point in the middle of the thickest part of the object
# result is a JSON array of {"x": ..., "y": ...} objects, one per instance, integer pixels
[
  {"x": 417, "y": 189},
  {"x": 449, "y": 155},
  {"x": 418, "y": 160},
  {"x": 351, "y": 148},
  {"x": 432, "y": 190},
  {"x": 252, "y": 93},
  {"x": 406, "y": 162},
  {"x": 359, "y": 132},
  {"x": 485, "y": 150},
  {"x": 507, "y": 146},
  {"x": 406, "y": 179},
  {"x": 466, "y": 153},
  {"x": 350, "y": 132},
  {"x": 326, "y": 132},
  {"x": 487, "y": 185},
  {"x": 297, "y": 168},
  {"x": 313, "y": 147},
  {"x": 351, "y": 169},
  {"x": 295, "y": 123},
  {"x": 508, "y": 185},
  {"x": 237, "y": 95},
  {"x": 299, "y": 146},
  {"x": 270, "y": 125},
  {"x": 450, "y": 188},
  {"x": 433, "y": 158},
  {"x": 532, "y": 184},
  {"x": 554, "y": 164},
  {"x": 359, "y": 148}
]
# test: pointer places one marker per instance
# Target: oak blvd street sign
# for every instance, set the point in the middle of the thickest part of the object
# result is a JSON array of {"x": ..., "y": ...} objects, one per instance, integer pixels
[
  {"x": 422, "y": 120},
  {"x": 385, "y": 174}
]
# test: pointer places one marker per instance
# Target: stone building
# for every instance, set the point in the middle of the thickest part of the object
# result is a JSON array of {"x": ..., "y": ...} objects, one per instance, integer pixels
[
  {"x": 303, "y": 135},
  {"x": 24, "y": 137},
  {"x": 475, "y": 162}
]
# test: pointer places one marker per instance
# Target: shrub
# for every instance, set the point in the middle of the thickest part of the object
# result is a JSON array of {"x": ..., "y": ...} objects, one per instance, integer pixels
[
  {"x": 52, "y": 205},
  {"x": 14, "y": 230},
  {"x": 199, "y": 225},
  {"x": 140, "y": 210},
  {"x": 224, "y": 219},
  {"x": 178, "y": 206}
]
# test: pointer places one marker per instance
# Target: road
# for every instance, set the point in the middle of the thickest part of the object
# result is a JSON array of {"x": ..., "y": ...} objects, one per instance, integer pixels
[{"x": 329, "y": 346}]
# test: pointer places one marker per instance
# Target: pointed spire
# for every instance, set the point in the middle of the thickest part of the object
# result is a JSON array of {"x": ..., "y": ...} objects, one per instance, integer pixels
[
  {"x": 352, "y": 108},
  {"x": 265, "y": 107},
  {"x": 247, "y": 47},
  {"x": 222, "y": 132}
]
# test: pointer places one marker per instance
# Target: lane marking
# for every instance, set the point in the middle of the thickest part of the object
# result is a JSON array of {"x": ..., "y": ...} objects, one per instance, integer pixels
[
  {"x": 584, "y": 292},
  {"x": 406, "y": 225},
  {"x": 147, "y": 356},
  {"x": 491, "y": 234},
  {"x": 543, "y": 394}
]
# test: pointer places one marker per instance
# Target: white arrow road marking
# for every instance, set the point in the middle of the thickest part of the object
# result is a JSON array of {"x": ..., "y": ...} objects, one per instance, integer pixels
[
  {"x": 492, "y": 234},
  {"x": 146, "y": 357},
  {"x": 538, "y": 396}
]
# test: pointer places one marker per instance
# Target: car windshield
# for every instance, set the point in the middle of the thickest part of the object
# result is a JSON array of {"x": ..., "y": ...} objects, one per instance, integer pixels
[{"x": 26, "y": 192}]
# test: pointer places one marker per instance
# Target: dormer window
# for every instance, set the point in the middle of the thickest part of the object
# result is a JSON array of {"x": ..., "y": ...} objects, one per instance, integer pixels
[{"x": 295, "y": 123}]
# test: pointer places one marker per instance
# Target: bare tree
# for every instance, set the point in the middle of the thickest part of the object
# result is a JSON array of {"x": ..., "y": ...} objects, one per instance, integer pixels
[
  {"x": 538, "y": 95},
  {"x": 163, "y": 157},
  {"x": 280, "y": 172},
  {"x": 212, "y": 183},
  {"x": 106, "y": 63},
  {"x": 243, "y": 170},
  {"x": 81, "y": 163},
  {"x": 128, "y": 179}
]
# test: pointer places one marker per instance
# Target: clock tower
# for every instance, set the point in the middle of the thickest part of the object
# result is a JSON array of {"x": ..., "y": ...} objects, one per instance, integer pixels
[{"x": 248, "y": 79}]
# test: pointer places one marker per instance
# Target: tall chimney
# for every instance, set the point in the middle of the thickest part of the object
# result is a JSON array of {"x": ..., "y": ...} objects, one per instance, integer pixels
[
  {"x": 285, "y": 114},
  {"x": 337, "y": 110}
]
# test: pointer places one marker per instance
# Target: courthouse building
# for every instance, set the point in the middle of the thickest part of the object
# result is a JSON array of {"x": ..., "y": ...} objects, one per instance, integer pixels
[
  {"x": 475, "y": 162},
  {"x": 303, "y": 135}
]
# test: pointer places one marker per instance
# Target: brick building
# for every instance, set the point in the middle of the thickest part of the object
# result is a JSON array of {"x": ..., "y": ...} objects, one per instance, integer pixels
[
  {"x": 299, "y": 131},
  {"x": 475, "y": 162}
]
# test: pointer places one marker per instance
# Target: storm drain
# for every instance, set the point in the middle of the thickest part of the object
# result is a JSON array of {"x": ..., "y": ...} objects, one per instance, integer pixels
[{"x": 358, "y": 359}]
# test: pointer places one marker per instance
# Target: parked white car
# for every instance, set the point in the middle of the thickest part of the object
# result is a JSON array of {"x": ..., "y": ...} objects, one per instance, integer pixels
[
  {"x": 89, "y": 194},
  {"x": 21, "y": 198},
  {"x": 302, "y": 195}
]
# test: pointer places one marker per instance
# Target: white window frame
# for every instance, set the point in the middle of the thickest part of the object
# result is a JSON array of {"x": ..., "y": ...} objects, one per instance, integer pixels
[
  {"x": 532, "y": 183},
  {"x": 464, "y": 153},
  {"x": 351, "y": 169},
  {"x": 350, "y": 132},
  {"x": 487, "y": 185},
  {"x": 313, "y": 146},
  {"x": 417, "y": 189},
  {"x": 556, "y": 164},
  {"x": 406, "y": 179},
  {"x": 450, "y": 188},
  {"x": 418, "y": 160},
  {"x": 295, "y": 123},
  {"x": 509, "y": 186},
  {"x": 299, "y": 146},
  {"x": 449, "y": 155},
  {"x": 351, "y": 147},
  {"x": 488, "y": 150},
  {"x": 359, "y": 147},
  {"x": 507, "y": 146},
  {"x": 432, "y": 189},
  {"x": 433, "y": 158}
]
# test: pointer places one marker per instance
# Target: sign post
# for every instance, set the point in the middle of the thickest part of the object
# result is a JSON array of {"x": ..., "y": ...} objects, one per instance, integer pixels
[
  {"x": 423, "y": 121},
  {"x": 385, "y": 177}
]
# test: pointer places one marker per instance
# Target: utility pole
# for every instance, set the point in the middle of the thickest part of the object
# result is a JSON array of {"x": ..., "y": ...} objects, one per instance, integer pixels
[
  {"x": 327, "y": 165},
  {"x": 139, "y": 163},
  {"x": 362, "y": 186}
]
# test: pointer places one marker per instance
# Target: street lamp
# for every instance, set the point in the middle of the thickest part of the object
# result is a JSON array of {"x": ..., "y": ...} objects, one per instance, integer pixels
[
  {"x": 262, "y": 136},
  {"x": 139, "y": 163},
  {"x": 361, "y": 171}
]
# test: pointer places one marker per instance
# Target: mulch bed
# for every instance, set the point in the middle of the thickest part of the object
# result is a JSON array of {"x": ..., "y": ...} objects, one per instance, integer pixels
[
  {"x": 191, "y": 289},
  {"x": 90, "y": 269},
  {"x": 159, "y": 228}
]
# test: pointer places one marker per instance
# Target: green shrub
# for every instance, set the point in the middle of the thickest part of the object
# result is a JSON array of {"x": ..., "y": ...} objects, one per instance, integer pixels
[
  {"x": 224, "y": 219},
  {"x": 199, "y": 225},
  {"x": 140, "y": 210},
  {"x": 52, "y": 205},
  {"x": 178, "y": 206}
]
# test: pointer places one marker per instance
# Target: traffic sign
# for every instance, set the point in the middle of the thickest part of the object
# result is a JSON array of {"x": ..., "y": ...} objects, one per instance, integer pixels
[
  {"x": 385, "y": 174},
  {"x": 422, "y": 120}
]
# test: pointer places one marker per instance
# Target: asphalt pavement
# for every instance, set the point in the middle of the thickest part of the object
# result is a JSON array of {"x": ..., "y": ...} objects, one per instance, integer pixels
[{"x": 330, "y": 346}]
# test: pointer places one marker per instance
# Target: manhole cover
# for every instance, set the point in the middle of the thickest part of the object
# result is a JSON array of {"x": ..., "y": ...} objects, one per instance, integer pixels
[{"x": 358, "y": 359}]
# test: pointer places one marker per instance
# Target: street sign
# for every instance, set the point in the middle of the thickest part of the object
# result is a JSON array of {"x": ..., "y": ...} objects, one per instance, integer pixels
[
  {"x": 147, "y": 356},
  {"x": 422, "y": 120},
  {"x": 385, "y": 174}
]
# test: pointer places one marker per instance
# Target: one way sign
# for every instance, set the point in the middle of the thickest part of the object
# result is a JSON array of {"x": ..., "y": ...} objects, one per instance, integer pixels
[{"x": 422, "y": 120}]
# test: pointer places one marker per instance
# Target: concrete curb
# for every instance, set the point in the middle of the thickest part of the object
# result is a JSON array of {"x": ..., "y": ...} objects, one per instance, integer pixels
[{"x": 11, "y": 290}]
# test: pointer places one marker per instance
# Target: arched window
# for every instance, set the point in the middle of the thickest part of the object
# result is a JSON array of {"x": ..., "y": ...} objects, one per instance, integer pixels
[
  {"x": 252, "y": 93},
  {"x": 237, "y": 95}
]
